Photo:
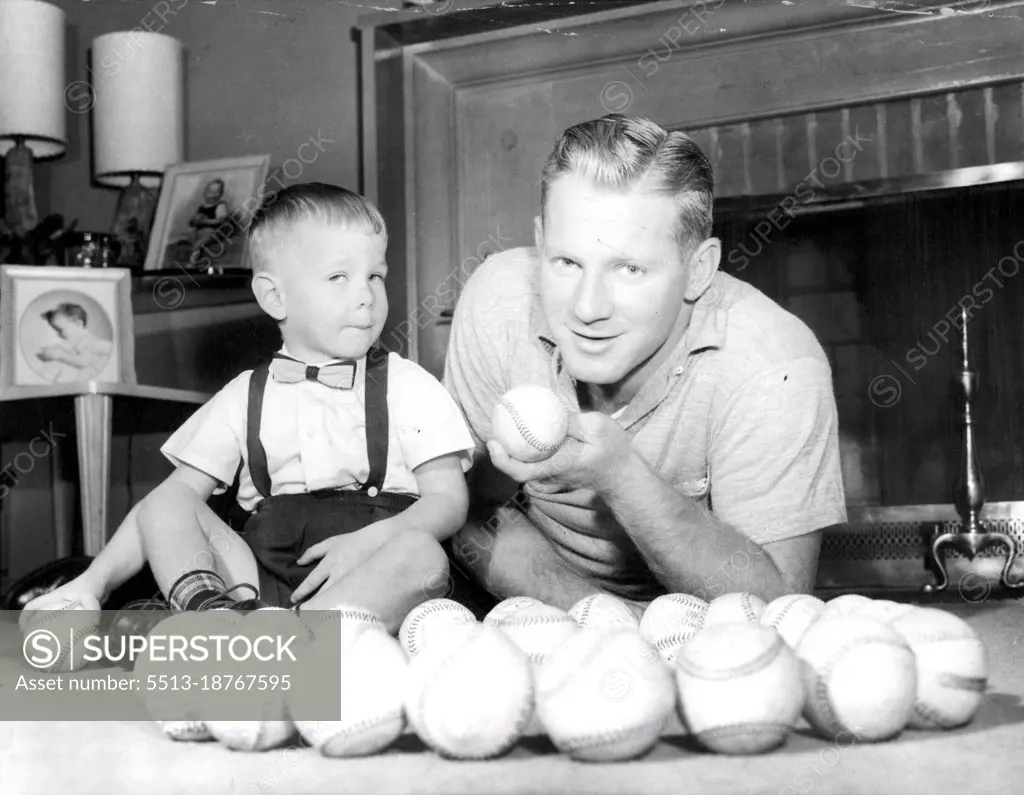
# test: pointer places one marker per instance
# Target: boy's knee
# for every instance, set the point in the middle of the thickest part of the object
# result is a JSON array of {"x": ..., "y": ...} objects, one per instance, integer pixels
[{"x": 426, "y": 564}]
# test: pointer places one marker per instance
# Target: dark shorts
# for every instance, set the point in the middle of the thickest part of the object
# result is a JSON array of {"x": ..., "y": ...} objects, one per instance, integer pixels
[{"x": 284, "y": 526}]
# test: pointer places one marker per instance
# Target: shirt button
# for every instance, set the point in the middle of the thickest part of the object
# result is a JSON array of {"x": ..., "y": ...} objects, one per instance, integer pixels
[
  {"x": 373, "y": 491},
  {"x": 677, "y": 371}
]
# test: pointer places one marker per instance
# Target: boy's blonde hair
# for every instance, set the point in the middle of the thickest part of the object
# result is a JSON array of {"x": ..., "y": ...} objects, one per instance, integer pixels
[
  {"x": 312, "y": 200},
  {"x": 619, "y": 151}
]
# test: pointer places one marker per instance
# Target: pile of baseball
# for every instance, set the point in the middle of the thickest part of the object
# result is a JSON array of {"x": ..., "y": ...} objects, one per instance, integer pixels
[{"x": 738, "y": 674}]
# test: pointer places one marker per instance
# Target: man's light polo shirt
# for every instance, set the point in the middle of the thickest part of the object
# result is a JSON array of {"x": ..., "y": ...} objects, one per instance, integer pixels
[
  {"x": 741, "y": 416},
  {"x": 315, "y": 436}
]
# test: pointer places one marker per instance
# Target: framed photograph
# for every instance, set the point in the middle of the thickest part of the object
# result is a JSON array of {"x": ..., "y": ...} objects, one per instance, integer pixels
[
  {"x": 64, "y": 325},
  {"x": 203, "y": 210}
]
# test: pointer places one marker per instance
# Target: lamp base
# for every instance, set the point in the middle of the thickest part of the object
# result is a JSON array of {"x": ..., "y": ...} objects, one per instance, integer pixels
[
  {"x": 133, "y": 221},
  {"x": 19, "y": 192}
]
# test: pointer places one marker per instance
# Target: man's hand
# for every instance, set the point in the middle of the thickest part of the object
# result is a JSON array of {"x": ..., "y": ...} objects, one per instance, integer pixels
[
  {"x": 590, "y": 458},
  {"x": 338, "y": 556}
]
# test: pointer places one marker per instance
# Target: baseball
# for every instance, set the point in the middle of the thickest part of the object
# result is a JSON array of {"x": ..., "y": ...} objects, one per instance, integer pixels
[
  {"x": 740, "y": 690},
  {"x": 185, "y": 730},
  {"x": 537, "y": 629},
  {"x": 732, "y": 607},
  {"x": 506, "y": 607},
  {"x": 604, "y": 695},
  {"x": 337, "y": 619},
  {"x": 845, "y": 604},
  {"x": 179, "y": 712},
  {"x": 272, "y": 727},
  {"x": 430, "y": 620},
  {"x": 792, "y": 615},
  {"x": 670, "y": 621},
  {"x": 884, "y": 610},
  {"x": 603, "y": 610},
  {"x": 952, "y": 668},
  {"x": 530, "y": 422},
  {"x": 470, "y": 697},
  {"x": 860, "y": 677},
  {"x": 54, "y": 635},
  {"x": 371, "y": 712}
]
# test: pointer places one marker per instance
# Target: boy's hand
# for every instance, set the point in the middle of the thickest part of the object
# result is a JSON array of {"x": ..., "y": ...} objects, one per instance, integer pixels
[
  {"x": 338, "y": 556},
  {"x": 82, "y": 589},
  {"x": 589, "y": 458}
]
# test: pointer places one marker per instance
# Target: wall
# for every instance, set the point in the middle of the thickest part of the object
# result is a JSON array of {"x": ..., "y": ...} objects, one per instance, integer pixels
[{"x": 261, "y": 77}]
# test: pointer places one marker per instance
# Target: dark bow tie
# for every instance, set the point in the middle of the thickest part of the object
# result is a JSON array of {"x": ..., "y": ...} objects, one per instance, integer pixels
[{"x": 337, "y": 375}]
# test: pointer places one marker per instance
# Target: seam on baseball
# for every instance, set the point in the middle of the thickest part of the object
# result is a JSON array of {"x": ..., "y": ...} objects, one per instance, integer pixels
[
  {"x": 776, "y": 620},
  {"x": 367, "y": 723},
  {"x": 410, "y": 636},
  {"x": 823, "y": 683},
  {"x": 759, "y": 662},
  {"x": 524, "y": 431},
  {"x": 614, "y": 735},
  {"x": 739, "y": 729}
]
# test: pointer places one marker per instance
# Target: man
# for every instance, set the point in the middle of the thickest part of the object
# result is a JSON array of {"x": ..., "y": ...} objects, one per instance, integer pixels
[{"x": 704, "y": 456}]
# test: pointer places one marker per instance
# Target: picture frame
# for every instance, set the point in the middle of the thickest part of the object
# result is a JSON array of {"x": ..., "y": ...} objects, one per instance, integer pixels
[
  {"x": 199, "y": 224},
  {"x": 63, "y": 325}
]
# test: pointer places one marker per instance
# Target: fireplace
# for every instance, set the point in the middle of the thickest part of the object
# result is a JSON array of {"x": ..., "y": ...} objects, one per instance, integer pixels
[{"x": 869, "y": 169}]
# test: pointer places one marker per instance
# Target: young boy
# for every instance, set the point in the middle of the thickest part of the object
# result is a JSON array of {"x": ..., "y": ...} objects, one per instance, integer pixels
[
  {"x": 81, "y": 355},
  {"x": 209, "y": 215},
  {"x": 349, "y": 458}
]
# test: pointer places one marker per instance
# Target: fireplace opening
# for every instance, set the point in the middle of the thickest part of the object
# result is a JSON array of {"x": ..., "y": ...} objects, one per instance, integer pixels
[{"x": 881, "y": 285}]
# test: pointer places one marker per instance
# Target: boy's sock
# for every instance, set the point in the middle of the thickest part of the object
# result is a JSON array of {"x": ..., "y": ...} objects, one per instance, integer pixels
[
  {"x": 194, "y": 588},
  {"x": 204, "y": 590}
]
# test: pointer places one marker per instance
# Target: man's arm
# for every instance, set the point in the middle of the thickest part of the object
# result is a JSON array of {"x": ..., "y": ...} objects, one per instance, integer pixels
[
  {"x": 689, "y": 550},
  {"x": 510, "y": 557},
  {"x": 776, "y": 483}
]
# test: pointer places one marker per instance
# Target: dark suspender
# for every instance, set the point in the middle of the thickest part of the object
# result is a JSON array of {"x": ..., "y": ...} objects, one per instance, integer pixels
[
  {"x": 375, "y": 407},
  {"x": 377, "y": 421},
  {"x": 258, "y": 470}
]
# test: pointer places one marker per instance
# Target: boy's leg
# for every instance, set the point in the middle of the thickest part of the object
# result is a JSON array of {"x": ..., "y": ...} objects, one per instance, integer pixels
[
  {"x": 191, "y": 551},
  {"x": 406, "y": 571}
]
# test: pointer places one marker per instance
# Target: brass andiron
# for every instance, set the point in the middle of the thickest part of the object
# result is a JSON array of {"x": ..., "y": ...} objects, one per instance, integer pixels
[{"x": 972, "y": 537}]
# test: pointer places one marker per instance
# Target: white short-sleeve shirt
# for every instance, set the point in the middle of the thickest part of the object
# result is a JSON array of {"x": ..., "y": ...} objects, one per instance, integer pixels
[{"x": 315, "y": 436}]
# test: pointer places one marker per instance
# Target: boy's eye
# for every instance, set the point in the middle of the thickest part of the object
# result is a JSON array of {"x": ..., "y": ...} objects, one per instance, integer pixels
[
  {"x": 378, "y": 276},
  {"x": 632, "y": 269},
  {"x": 563, "y": 262},
  {"x": 338, "y": 276}
]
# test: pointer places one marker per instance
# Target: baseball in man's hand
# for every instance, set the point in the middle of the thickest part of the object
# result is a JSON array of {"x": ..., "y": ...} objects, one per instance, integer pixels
[{"x": 530, "y": 423}]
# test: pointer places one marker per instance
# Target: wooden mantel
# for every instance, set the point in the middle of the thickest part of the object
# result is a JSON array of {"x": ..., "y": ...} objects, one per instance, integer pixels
[{"x": 463, "y": 100}]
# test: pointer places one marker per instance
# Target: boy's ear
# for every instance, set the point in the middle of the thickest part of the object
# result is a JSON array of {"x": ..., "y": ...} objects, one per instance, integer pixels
[{"x": 268, "y": 295}]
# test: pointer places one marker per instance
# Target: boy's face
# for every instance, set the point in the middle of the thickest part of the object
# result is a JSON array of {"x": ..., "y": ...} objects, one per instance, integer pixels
[
  {"x": 65, "y": 326},
  {"x": 331, "y": 280},
  {"x": 213, "y": 192}
]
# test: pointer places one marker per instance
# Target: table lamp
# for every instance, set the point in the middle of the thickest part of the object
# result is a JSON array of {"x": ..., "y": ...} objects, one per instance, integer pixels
[
  {"x": 32, "y": 110},
  {"x": 137, "y": 127}
]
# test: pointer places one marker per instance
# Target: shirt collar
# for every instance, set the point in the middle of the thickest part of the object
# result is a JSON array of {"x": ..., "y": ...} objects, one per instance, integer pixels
[{"x": 360, "y": 363}]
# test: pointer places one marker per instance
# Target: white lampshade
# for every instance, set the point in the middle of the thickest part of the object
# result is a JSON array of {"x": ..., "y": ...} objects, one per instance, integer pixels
[
  {"x": 138, "y": 85},
  {"x": 32, "y": 81}
]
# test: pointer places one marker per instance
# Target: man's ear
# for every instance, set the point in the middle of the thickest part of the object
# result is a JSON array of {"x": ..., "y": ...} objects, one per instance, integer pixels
[
  {"x": 268, "y": 295},
  {"x": 703, "y": 266},
  {"x": 538, "y": 232}
]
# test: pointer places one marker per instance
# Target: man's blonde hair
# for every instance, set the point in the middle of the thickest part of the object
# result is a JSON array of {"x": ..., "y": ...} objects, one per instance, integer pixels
[
  {"x": 316, "y": 200},
  {"x": 619, "y": 151}
]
